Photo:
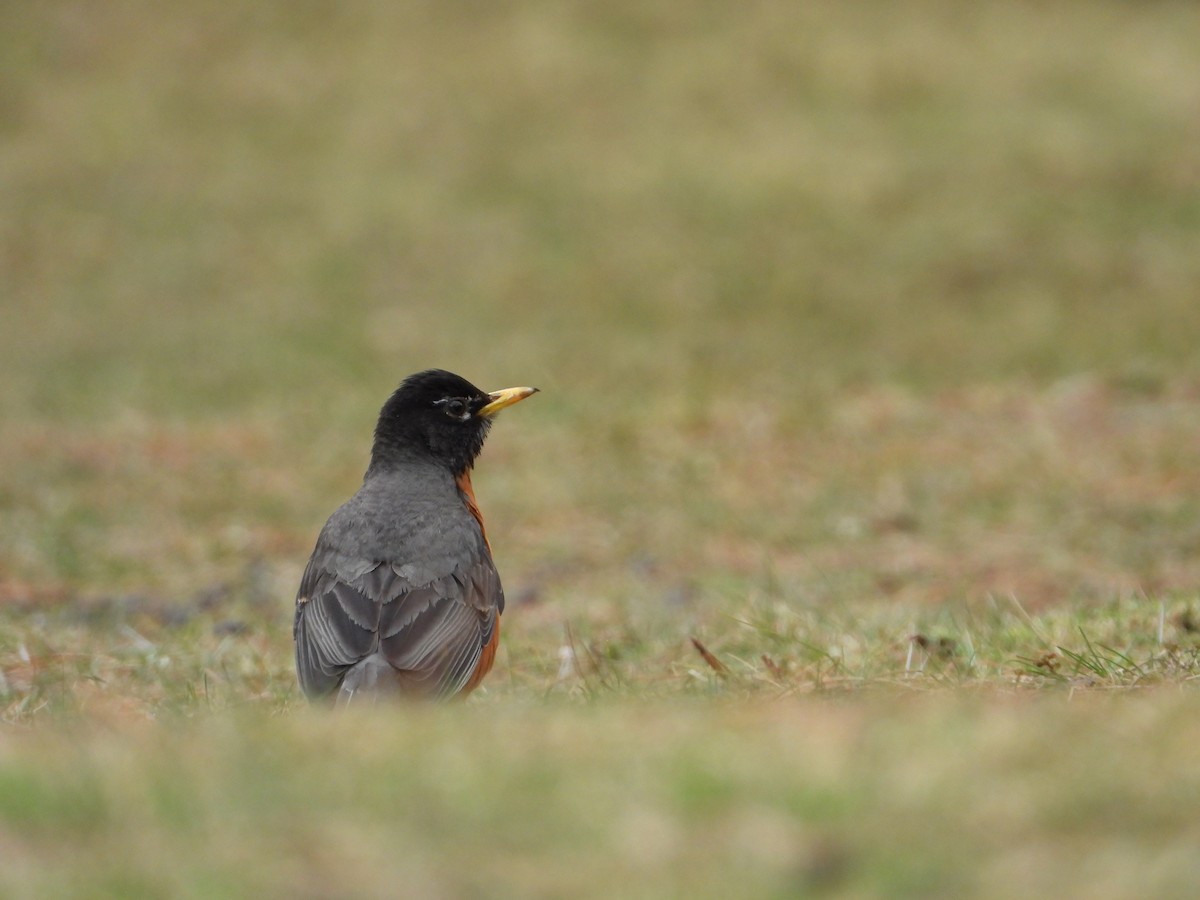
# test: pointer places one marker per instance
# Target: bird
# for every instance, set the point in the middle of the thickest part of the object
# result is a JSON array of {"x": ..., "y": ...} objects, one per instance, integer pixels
[{"x": 401, "y": 596}]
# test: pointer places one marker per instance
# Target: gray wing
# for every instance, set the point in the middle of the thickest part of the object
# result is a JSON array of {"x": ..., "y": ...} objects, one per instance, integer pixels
[{"x": 362, "y": 625}]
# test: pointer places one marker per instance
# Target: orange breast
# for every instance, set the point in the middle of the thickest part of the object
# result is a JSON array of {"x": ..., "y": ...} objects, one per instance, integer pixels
[
  {"x": 468, "y": 492},
  {"x": 488, "y": 656}
]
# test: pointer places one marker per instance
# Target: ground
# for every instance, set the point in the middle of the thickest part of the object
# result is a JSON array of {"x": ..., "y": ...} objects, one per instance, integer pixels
[{"x": 851, "y": 547}]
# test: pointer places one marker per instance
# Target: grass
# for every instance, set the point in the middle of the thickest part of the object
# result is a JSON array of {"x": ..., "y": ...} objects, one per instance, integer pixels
[
  {"x": 875, "y": 796},
  {"x": 852, "y": 545}
]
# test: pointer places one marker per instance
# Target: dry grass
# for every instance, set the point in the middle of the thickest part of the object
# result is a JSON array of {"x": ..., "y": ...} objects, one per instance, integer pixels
[{"x": 867, "y": 341}]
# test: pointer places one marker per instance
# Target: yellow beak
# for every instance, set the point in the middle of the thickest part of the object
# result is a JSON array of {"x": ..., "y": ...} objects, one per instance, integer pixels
[{"x": 506, "y": 397}]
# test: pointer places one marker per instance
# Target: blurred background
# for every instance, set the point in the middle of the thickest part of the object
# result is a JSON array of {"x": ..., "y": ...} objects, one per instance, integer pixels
[
  {"x": 868, "y": 337},
  {"x": 789, "y": 276}
]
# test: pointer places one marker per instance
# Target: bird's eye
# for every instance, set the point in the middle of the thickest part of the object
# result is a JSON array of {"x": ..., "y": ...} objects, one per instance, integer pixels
[{"x": 455, "y": 408}]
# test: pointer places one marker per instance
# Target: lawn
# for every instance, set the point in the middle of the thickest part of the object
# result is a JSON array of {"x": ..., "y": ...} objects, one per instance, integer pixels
[{"x": 852, "y": 547}]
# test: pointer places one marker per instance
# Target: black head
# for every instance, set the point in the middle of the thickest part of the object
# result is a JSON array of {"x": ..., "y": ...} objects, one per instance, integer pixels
[{"x": 439, "y": 416}]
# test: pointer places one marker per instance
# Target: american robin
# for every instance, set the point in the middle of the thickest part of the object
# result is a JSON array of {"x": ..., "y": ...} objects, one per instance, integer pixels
[{"x": 401, "y": 595}]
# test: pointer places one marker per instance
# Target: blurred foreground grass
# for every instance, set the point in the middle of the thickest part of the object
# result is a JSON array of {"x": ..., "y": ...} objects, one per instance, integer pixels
[
  {"x": 868, "y": 341},
  {"x": 990, "y": 796}
]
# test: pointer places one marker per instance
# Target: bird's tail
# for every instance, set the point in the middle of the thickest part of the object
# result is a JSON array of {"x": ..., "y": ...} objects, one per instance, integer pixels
[{"x": 366, "y": 681}]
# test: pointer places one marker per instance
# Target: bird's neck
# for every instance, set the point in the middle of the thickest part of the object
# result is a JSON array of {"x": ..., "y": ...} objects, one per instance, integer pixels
[{"x": 387, "y": 461}]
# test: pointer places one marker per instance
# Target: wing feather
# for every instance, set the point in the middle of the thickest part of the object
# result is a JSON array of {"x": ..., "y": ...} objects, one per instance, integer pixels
[{"x": 352, "y": 618}]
